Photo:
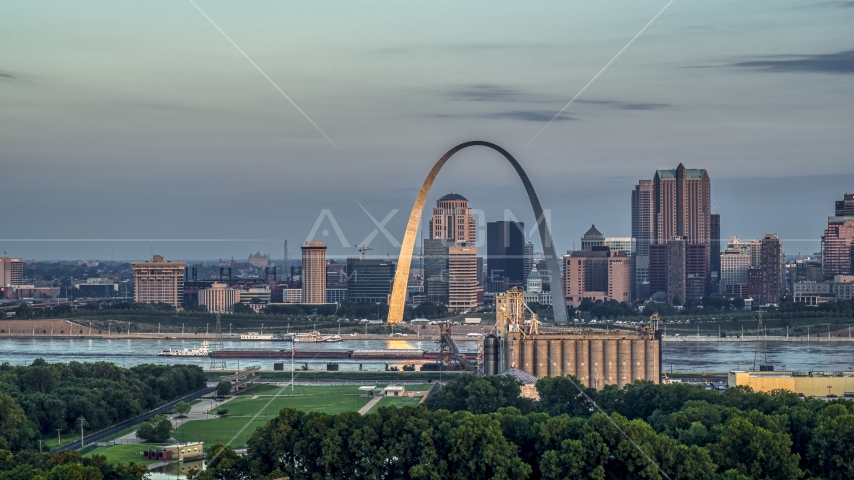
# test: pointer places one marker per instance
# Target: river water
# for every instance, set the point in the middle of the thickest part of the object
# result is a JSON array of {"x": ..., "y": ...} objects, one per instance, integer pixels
[{"x": 680, "y": 356}]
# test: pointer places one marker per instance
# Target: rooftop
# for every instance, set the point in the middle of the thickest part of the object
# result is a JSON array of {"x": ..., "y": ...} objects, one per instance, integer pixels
[{"x": 453, "y": 196}]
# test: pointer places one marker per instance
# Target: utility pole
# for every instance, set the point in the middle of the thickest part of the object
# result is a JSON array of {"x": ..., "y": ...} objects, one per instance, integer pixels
[{"x": 81, "y": 431}]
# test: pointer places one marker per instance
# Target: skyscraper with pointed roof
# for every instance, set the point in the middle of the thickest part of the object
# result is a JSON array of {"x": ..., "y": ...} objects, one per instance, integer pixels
[{"x": 592, "y": 238}]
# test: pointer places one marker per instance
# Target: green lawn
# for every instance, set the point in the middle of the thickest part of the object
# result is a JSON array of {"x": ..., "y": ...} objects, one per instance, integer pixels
[
  {"x": 335, "y": 399},
  {"x": 397, "y": 402},
  {"x": 219, "y": 430},
  {"x": 330, "y": 403},
  {"x": 265, "y": 389},
  {"x": 124, "y": 453}
]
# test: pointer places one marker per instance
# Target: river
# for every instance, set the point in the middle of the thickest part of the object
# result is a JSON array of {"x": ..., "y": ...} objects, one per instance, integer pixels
[{"x": 680, "y": 356}]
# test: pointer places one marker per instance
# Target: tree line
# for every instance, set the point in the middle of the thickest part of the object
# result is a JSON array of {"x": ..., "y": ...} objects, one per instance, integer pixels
[
  {"x": 39, "y": 399},
  {"x": 66, "y": 465},
  {"x": 480, "y": 427}
]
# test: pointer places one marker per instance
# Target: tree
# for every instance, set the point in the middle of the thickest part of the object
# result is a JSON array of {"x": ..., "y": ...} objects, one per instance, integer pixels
[
  {"x": 242, "y": 308},
  {"x": 223, "y": 388},
  {"x": 754, "y": 451},
  {"x": 24, "y": 310},
  {"x": 832, "y": 447},
  {"x": 156, "y": 430},
  {"x": 182, "y": 409},
  {"x": 477, "y": 394},
  {"x": 478, "y": 450},
  {"x": 563, "y": 395},
  {"x": 15, "y": 430}
]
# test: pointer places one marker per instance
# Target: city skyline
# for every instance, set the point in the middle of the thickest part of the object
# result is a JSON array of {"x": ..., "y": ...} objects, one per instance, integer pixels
[{"x": 105, "y": 134}]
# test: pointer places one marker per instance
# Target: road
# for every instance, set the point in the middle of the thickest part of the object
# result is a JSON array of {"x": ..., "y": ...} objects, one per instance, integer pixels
[{"x": 98, "y": 436}]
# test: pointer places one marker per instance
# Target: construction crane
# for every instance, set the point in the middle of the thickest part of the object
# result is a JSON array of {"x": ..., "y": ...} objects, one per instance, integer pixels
[{"x": 364, "y": 249}]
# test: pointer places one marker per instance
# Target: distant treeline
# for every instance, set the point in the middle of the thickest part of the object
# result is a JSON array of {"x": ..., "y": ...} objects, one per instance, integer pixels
[
  {"x": 479, "y": 427},
  {"x": 39, "y": 399}
]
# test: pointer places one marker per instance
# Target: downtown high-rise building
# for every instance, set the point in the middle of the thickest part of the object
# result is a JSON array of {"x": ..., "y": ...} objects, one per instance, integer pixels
[
  {"x": 845, "y": 207},
  {"x": 462, "y": 277},
  {"x": 682, "y": 228},
  {"x": 682, "y": 205},
  {"x": 837, "y": 243},
  {"x": 505, "y": 255},
  {"x": 771, "y": 269},
  {"x": 11, "y": 271},
  {"x": 643, "y": 232},
  {"x": 527, "y": 259},
  {"x": 714, "y": 253},
  {"x": 592, "y": 238},
  {"x": 369, "y": 280},
  {"x": 597, "y": 274},
  {"x": 452, "y": 220},
  {"x": 313, "y": 272},
  {"x": 158, "y": 281}
]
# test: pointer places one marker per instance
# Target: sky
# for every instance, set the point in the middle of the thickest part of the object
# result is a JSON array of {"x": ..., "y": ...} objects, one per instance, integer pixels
[{"x": 217, "y": 129}]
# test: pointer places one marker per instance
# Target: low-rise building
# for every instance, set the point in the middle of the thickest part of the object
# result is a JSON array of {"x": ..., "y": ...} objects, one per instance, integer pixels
[
  {"x": 815, "y": 293},
  {"x": 811, "y": 384},
  {"x": 219, "y": 298}
]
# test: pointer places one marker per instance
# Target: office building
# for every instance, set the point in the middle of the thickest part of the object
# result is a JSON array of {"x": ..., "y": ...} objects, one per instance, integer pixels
[
  {"x": 219, "y": 298},
  {"x": 11, "y": 271},
  {"x": 259, "y": 260},
  {"x": 845, "y": 207},
  {"x": 752, "y": 248},
  {"x": 527, "y": 259},
  {"x": 314, "y": 272},
  {"x": 598, "y": 274},
  {"x": 436, "y": 270},
  {"x": 643, "y": 232},
  {"x": 734, "y": 267},
  {"x": 336, "y": 295},
  {"x": 452, "y": 220},
  {"x": 714, "y": 253},
  {"x": 696, "y": 273},
  {"x": 96, "y": 287},
  {"x": 292, "y": 295},
  {"x": 369, "y": 280},
  {"x": 462, "y": 277},
  {"x": 336, "y": 275},
  {"x": 813, "y": 293},
  {"x": 837, "y": 247},
  {"x": 505, "y": 252},
  {"x": 592, "y": 238},
  {"x": 771, "y": 270},
  {"x": 682, "y": 205},
  {"x": 158, "y": 281},
  {"x": 678, "y": 269}
]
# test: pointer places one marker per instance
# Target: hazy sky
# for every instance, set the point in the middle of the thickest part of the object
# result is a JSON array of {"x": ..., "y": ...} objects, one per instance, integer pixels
[{"x": 138, "y": 122}]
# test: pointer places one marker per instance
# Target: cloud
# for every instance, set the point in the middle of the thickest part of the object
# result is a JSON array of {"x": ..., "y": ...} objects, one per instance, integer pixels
[
  {"x": 487, "y": 93},
  {"x": 523, "y": 115},
  {"x": 626, "y": 105},
  {"x": 6, "y": 75},
  {"x": 840, "y": 62},
  {"x": 528, "y": 116}
]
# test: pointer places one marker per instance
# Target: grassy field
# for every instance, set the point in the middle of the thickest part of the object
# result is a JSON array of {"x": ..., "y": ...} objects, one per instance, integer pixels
[
  {"x": 397, "y": 402},
  {"x": 124, "y": 453},
  {"x": 350, "y": 376},
  {"x": 266, "y": 389},
  {"x": 242, "y": 409},
  {"x": 219, "y": 430},
  {"x": 327, "y": 403}
]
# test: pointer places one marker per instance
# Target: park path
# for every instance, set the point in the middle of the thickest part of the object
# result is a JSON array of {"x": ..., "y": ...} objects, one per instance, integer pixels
[{"x": 368, "y": 406}]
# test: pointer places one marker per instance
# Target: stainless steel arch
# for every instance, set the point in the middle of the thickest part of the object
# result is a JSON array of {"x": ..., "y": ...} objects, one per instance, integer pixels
[{"x": 404, "y": 262}]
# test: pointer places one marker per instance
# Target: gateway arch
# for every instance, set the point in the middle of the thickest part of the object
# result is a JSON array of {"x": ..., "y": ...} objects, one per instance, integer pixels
[{"x": 401, "y": 277}]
